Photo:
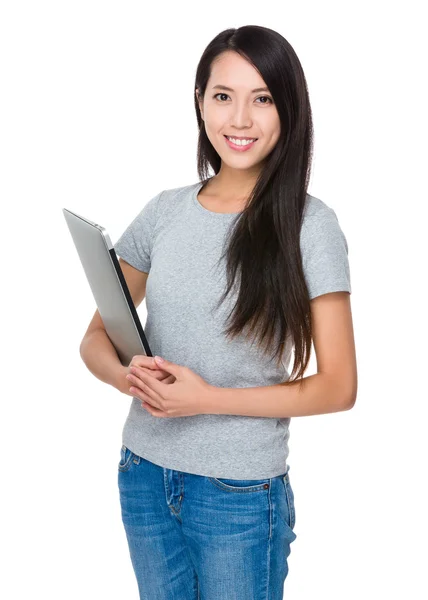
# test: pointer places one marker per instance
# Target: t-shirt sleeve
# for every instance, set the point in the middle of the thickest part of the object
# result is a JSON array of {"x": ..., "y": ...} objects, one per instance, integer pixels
[
  {"x": 324, "y": 250},
  {"x": 136, "y": 242}
]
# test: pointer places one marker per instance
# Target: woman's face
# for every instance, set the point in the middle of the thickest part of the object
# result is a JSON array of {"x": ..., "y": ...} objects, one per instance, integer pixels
[{"x": 239, "y": 112}]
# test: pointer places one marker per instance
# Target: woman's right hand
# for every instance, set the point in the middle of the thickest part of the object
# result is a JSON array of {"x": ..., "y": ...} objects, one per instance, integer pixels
[{"x": 146, "y": 364}]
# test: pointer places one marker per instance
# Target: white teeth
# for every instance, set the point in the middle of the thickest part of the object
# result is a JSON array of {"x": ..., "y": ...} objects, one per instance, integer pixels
[{"x": 240, "y": 142}]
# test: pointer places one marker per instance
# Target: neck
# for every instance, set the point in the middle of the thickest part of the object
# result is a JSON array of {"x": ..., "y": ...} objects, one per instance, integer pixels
[{"x": 232, "y": 184}]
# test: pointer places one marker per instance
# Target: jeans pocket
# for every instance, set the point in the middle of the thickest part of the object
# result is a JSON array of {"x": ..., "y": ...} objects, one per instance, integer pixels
[
  {"x": 126, "y": 457},
  {"x": 290, "y": 500},
  {"x": 240, "y": 485}
]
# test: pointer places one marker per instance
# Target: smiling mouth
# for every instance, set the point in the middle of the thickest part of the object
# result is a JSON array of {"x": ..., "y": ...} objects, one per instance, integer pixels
[{"x": 244, "y": 139}]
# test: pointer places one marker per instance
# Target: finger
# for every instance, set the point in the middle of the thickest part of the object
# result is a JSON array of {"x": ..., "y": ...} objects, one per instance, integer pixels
[
  {"x": 140, "y": 393},
  {"x": 157, "y": 373},
  {"x": 164, "y": 377},
  {"x": 143, "y": 361},
  {"x": 146, "y": 402},
  {"x": 169, "y": 366},
  {"x": 149, "y": 384},
  {"x": 153, "y": 411}
]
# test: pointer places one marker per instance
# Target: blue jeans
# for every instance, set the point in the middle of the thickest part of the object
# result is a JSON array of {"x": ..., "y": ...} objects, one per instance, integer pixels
[{"x": 201, "y": 538}]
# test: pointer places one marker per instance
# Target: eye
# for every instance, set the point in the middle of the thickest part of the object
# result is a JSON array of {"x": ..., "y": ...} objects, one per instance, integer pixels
[
  {"x": 266, "y": 97},
  {"x": 219, "y": 94}
]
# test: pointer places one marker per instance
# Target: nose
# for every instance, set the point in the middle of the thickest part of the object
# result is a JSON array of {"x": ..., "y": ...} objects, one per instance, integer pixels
[{"x": 241, "y": 117}]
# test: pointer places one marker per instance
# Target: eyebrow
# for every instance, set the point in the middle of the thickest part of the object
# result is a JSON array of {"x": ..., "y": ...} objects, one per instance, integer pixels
[{"x": 228, "y": 89}]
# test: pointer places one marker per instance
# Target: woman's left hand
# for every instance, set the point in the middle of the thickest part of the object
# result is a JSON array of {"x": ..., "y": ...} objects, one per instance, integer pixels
[{"x": 187, "y": 396}]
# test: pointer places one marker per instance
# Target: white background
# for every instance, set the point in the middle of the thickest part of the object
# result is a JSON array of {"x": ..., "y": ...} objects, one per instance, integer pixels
[{"x": 97, "y": 116}]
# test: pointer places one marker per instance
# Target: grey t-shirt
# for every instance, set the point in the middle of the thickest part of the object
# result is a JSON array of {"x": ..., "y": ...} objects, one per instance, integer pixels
[{"x": 179, "y": 242}]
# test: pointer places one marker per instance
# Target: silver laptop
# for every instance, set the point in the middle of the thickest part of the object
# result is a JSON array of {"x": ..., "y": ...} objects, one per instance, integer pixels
[{"x": 108, "y": 285}]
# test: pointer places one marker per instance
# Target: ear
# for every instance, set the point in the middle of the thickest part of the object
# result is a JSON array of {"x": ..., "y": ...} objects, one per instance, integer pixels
[{"x": 200, "y": 102}]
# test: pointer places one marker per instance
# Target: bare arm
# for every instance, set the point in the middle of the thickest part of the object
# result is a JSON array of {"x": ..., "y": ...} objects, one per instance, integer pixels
[
  {"x": 100, "y": 357},
  {"x": 332, "y": 389}
]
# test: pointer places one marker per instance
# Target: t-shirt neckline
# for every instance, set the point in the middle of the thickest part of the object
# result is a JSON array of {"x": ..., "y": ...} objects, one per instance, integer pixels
[{"x": 204, "y": 210}]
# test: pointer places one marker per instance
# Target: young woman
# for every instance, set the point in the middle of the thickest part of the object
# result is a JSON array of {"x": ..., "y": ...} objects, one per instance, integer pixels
[{"x": 204, "y": 482}]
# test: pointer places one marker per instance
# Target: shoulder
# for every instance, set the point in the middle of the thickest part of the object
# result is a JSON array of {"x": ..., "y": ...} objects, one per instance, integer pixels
[
  {"x": 168, "y": 204},
  {"x": 316, "y": 209},
  {"x": 171, "y": 197},
  {"x": 171, "y": 194},
  {"x": 320, "y": 223},
  {"x": 324, "y": 250}
]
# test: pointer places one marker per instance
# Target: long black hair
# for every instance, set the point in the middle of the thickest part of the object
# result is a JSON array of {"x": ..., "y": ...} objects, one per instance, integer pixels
[{"x": 273, "y": 300}]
